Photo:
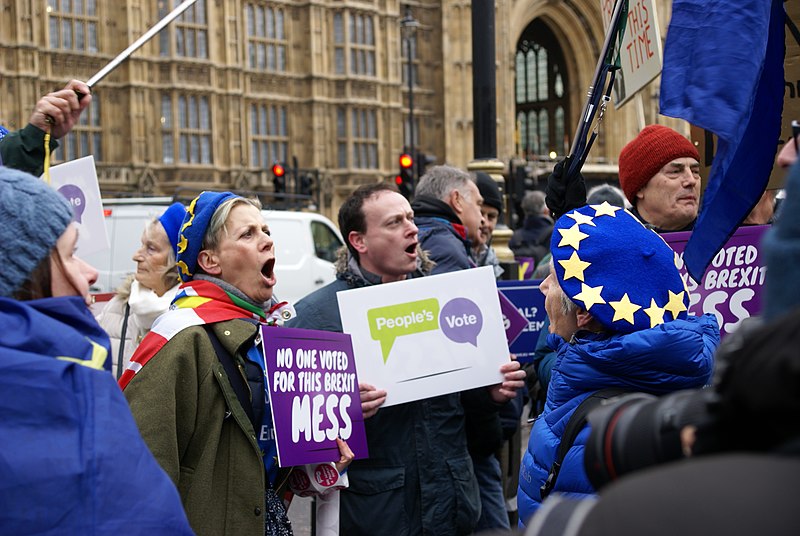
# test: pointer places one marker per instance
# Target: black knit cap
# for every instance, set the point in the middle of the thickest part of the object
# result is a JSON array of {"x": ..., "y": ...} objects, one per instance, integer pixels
[{"x": 489, "y": 190}]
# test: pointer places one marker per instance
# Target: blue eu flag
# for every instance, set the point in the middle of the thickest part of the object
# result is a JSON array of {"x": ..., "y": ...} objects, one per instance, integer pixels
[{"x": 723, "y": 71}]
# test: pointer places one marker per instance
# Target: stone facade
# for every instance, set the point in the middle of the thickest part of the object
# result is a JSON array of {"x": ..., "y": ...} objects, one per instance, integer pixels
[{"x": 210, "y": 102}]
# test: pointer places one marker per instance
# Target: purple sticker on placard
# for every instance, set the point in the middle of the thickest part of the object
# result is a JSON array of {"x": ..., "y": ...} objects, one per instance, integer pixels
[
  {"x": 76, "y": 198},
  {"x": 529, "y": 302},
  {"x": 514, "y": 321},
  {"x": 314, "y": 395},
  {"x": 461, "y": 321},
  {"x": 732, "y": 284}
]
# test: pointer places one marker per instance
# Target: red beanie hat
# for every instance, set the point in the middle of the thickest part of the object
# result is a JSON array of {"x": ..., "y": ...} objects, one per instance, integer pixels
[{"x": 647, "y": 153}]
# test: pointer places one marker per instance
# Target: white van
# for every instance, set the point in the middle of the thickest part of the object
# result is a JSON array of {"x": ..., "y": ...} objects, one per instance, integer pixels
[{"x": 305, "y": 245}]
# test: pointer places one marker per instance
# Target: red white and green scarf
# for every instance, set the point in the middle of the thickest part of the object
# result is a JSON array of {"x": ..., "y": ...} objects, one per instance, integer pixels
[{"x": 198, "y": 303}]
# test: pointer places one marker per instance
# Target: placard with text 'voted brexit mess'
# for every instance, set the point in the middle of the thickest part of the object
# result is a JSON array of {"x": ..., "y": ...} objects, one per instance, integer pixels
[
  {"x": 732, "y": 285},
  {"x": 427, "y": 336},
  {"x": 313, "y": 392}
]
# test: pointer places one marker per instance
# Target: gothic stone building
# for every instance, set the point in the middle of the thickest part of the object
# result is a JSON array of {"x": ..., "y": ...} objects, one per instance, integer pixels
[{"x": 233, "y": 86}]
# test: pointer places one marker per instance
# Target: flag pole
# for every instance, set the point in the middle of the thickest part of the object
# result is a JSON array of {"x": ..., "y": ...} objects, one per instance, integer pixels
[
  {"x": 149, "y": 34},
  {"x": 579, "y": 150}
]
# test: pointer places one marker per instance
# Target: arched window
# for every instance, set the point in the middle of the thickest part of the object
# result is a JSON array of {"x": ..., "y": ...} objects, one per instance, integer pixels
[{"x": 542, "y": 104}]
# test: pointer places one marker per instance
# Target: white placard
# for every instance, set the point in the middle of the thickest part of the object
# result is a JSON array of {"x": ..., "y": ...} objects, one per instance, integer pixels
[
  {"x": 77, "y": 181},
  {"x": 428, "y": 336},
  {"x": 640, "y": 54}
]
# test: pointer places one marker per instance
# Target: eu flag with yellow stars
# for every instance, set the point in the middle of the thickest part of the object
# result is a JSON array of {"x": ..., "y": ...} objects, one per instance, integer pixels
[{"x": 723, "y": 71}]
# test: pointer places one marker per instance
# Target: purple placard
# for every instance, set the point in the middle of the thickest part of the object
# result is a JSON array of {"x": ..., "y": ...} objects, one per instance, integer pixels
[
  {"x": 313, "y": 391},
  {"x": 529, "y": 302},
  {"x": 731, "y": 286},
  {"x": 514, "y": 321}
]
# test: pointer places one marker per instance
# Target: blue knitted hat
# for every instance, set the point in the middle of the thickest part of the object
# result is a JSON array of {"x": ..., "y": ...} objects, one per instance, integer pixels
[
  {"x": 171, "y": 220},
  {"x": 193, "y": 230},
  {"x": 32, "y": 218},
  {"x": 615, "y": 268}
]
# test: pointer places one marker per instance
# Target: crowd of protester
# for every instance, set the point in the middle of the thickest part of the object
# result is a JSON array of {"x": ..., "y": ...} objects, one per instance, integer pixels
[{"x": 184, "y": 442}]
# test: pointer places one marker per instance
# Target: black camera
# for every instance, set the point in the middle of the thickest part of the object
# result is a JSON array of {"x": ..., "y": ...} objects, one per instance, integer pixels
[{"x": 638, "y": 430}]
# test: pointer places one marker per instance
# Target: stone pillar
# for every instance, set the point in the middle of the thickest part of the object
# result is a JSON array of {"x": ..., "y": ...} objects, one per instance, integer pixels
[
  {"x": 484, "y": 109},
  {"x": 502, "y": 234}
]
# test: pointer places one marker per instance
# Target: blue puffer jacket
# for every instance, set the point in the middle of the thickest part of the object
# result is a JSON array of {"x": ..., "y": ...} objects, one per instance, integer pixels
[
  {"x": 73, "y": 461},
  {"x": 673, "y": 356}
]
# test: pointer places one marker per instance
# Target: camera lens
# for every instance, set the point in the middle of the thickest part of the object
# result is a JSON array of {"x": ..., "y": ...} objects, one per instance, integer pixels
[
  {"x": 601, "y": 458},
  {"x": 638, "y": 430}
]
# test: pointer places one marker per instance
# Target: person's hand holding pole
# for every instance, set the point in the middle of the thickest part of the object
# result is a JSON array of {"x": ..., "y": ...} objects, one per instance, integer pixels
[{"x": 59, "y": 111}]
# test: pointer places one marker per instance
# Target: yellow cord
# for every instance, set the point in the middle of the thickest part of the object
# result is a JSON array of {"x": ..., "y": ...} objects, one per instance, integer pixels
[{"x": 47, "y": 155}]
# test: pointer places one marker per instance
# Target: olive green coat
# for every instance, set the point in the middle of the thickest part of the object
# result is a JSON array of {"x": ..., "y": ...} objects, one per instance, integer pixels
[{"x": 189, "y": 416}]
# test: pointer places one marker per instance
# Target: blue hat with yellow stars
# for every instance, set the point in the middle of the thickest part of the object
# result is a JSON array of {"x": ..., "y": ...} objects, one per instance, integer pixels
[
  {"x": 612, "y": 266},
  {"x": 193, "y": 230}
]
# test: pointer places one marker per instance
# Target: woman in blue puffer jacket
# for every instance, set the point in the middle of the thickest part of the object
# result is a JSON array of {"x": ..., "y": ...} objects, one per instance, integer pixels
[{"x": 618, "y": 316}]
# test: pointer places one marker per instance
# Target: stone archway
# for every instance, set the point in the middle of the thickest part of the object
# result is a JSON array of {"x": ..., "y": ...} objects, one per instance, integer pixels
[{"x": 578, "y": 30}]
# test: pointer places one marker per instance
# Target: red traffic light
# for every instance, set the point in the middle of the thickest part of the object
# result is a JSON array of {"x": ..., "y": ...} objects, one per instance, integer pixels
[
  {"x": 398, "y": 180},
  {"x": 406, "y": 161},
  {"x": 278, "y": 170}
]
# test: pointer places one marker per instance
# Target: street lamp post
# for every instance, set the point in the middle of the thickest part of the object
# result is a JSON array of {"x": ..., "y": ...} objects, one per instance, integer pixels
[{"x": 408, "y": 27}]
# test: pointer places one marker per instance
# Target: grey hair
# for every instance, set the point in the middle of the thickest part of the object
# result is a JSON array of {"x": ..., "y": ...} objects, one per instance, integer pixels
[
  {"x": 606, "y": 192},
  {"x": 170, "y": 277},
  {"x": 533, "y": 202},
  {"x": 567, "y": 306},
  {"x": 439, "y": 181},
  {"x": 217, "y": 224}
]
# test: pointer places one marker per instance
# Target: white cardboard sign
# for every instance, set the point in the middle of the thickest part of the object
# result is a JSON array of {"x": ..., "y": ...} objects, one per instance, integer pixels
[
  {"x": 641, "y": 56},
  {"x": 428, "y": 336},
  {"x": 77, "y": 181}
]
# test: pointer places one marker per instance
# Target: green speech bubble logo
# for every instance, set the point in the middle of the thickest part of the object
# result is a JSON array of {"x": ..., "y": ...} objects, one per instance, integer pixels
[{"x": 388, "y": 323}]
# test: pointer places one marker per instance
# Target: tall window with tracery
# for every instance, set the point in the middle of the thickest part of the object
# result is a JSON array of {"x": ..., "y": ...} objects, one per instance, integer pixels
[
  {"x": 266, "y": 38},
  {"x": 542, "y": 104},
  {"x": 354, "y": 44},
  {"x": 186, "y": 126},
  {"x": 188, "y": 35},
  {"x": 341, "y": 137},
  {"x": 269, "y": 136},
  {"x": 86, "y": 138},
  {"x": 73, "y": 24},
  {"x": 364, "y": 132}
]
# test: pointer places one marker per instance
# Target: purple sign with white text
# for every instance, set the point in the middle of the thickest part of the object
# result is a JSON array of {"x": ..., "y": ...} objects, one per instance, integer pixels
[
  {"x": 732, "y": 285},
  {"x": 529, "y": 303},
  {"x": 313, "y": 392}
]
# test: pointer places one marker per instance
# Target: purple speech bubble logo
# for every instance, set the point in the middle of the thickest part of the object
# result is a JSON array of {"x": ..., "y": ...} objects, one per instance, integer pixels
[
  {"x": 75, "y": 196},
  {"x": 461, "y": 321}
]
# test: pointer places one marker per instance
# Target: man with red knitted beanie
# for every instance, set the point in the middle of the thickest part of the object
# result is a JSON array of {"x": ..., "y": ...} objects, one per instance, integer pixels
[{"x": 659, "y": 171}]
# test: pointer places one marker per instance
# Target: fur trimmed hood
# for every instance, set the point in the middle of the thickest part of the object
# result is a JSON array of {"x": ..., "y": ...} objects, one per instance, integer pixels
[{"x": 344, "y": 265}]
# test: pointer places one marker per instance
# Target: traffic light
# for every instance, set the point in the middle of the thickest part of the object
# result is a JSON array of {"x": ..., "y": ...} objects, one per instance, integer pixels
[
  {"x": 306, "y": 184},
  {"x": 423, "y": 161},
  {"x": 279, "y": 178},
  {"x": 405, "y": 180}
]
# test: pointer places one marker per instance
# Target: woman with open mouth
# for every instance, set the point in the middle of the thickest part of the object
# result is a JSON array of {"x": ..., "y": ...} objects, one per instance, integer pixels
[
  {"x": 147, "y": 294},
  {"x": 196, "y": 383}
]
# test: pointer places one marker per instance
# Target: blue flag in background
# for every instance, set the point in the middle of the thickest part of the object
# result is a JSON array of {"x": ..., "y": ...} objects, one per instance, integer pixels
[
  {"x": 723, "y": 71},
  {"x": 3, "y": 133}
]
